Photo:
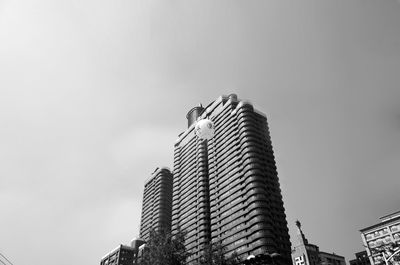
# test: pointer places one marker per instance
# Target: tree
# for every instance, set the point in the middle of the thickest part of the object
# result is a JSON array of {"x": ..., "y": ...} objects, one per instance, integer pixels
[
  {"x": 214, "y": 254},
  {"x": 163, "y": 248}
]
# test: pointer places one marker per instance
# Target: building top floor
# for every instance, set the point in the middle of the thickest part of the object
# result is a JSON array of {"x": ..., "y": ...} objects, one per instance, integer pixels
[{"x": 386, "y": 220}]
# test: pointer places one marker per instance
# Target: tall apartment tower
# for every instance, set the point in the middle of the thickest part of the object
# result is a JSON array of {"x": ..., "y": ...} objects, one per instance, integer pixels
[
  {"x": 226, "y": 189},
  {"x": 157, "y": 202}
]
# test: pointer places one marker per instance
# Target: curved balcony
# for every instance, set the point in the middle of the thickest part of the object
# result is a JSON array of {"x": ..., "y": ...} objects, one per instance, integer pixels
[
  {"x": 259, "y": 219},
  {"x": 244, "y": 107},
  {"x": 253, "y": 173}
]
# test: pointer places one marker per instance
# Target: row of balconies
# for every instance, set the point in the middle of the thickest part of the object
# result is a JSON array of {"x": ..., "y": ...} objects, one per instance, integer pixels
[
  {"x": 188, "y": 143},
  {"x": 181, "y": 179},
  {"x": 191, "y": 213},
  {"x": 223, "y": 119},
  {"x": 224, "y": 140},
  {"x": 224, "y": 132},
  {"x": 177, "y": 208},
  {"x": 227, "y": 181},
  {"x": 186, "y": 168},
  {"x": 224, "y": 160},
  {"x": 395, "y": 228},
  {"x": 191, "y": 195},
  {"x": 253, "y": 210},
  {"x": 234, "y": 227},
  {"x": 377, "y": 234},
  {"x": 250, "y": 130},
  {"x": 218, "y": 179},
  {"x": 187, "y": 155},
  {"x": 263, "y": 243},
  {"x": 219, "y": 229},
  {"x": 189, "y": 204},
  {"x": 229, "y": 204},
  {"x": 197, "y": 222},
  {"x": 384, "y": 240},
  {"x": 254, "y": 192},
  {"x": 199, "y": 228},
  {"x": 187, "y": 183},
  {"x": 184, "y": 152}
]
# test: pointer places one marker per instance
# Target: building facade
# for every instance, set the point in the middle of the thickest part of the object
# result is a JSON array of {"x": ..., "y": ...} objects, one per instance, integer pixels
[
  {"x": 361, "y": 259},
  {"x": 157, "y": 202},
  {"x": 382, "y": 240},
  {"x": 122, "y": 255},
  {"x": 226, "y": 188}
]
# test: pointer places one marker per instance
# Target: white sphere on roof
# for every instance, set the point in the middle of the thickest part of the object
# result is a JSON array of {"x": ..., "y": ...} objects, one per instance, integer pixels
[{"x": 204, "y": 129}]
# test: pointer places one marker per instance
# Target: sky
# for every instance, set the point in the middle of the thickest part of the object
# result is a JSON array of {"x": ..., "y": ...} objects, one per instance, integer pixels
[{"x": 93, "y": 95}]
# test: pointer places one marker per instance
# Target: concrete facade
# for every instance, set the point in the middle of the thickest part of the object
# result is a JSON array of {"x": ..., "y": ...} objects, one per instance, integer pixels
[{"x": 382, "y": 240}]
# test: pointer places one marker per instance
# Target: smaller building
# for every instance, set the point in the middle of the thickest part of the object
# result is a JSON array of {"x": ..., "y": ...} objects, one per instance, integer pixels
[
  {"x": 138, "y": 245},
  {"x": 121, "y": 255},
  {"x": 382, "y": 240},
  {"x": 331, "y": 259},
  {"x": 361, "y": 259},
  {"x": 305, "y": 253}
]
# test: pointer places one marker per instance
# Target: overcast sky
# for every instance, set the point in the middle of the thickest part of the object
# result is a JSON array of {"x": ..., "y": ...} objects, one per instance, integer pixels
[{"x": 93, "y": 95}]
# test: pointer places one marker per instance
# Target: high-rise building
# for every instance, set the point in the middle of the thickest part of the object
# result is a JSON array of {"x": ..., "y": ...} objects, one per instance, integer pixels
[
  {"x": 382, "y": 240},
  {"x": 122, "y": 255},
  {"x": 157, "y": 202},
  {"x": 226, "y": 188}
]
